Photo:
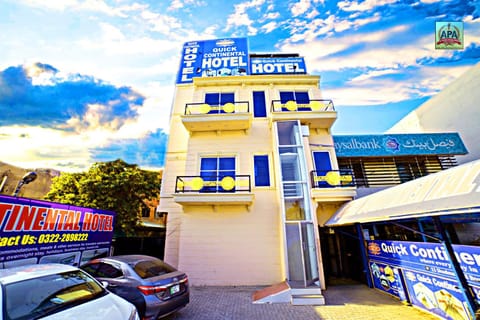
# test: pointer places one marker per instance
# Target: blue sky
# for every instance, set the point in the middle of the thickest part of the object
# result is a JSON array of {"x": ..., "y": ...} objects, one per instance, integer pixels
[{"x": 93, "y": 80}]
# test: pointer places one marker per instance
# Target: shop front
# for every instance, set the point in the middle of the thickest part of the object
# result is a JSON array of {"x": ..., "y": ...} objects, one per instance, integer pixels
[{"x": 421, "y": 240}]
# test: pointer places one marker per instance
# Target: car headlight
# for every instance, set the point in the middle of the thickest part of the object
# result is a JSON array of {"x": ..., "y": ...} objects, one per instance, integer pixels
[{"x": 134, "y": 315}]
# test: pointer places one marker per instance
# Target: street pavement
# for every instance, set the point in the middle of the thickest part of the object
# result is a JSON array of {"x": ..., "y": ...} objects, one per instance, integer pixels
[{"x": 343, "y": 302}]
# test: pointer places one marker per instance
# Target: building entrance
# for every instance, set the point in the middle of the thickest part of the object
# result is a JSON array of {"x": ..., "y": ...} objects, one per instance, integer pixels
[{"x": 342, "y": 256}]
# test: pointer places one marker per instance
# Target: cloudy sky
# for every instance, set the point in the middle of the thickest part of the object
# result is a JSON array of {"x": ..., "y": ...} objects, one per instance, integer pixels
[{"x": 93, "y": 80}]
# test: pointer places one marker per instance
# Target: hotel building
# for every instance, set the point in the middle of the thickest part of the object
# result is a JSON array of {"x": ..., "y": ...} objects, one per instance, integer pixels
[{"x": 252, "y": 173}]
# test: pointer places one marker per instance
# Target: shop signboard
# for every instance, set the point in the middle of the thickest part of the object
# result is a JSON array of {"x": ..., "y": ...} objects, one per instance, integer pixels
[
  {"x": 398, "y": 144},
  {"x": 277, "y": 65},
  {"x": 212, "y": 58},
  {"x": 424, "y": 272},
  {"x": 35, "y": 231}
]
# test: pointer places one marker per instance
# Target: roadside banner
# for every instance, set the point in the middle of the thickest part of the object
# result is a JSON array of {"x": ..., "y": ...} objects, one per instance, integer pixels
[{"x": 36, "y": 231}]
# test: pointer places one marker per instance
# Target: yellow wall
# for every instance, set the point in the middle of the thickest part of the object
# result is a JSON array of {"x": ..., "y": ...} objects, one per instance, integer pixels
[{"x": 229, "y": 245}]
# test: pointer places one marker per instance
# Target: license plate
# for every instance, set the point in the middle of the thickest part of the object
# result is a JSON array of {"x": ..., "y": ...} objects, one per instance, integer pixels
[{"x": 174, "y": 289}]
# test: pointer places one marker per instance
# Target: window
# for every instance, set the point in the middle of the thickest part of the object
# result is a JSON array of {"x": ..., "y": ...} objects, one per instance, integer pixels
[
  {"x": 261, "y": 171},
  {"x": 213, "y": 170},
  {"x": 215, "y": 100},
  {"x": 146, "y": 212},
  {"x": 300, "y": 97},
  {"x": 102, "y": 270},
  {"x": 259, "y": 105}
]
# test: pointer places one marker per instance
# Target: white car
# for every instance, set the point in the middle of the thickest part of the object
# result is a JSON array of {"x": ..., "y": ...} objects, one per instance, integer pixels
[{"x": 57, "y": 291}]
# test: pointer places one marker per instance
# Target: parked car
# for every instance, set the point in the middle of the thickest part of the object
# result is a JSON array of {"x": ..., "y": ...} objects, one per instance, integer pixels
[
  {"x": 57, "y": 291},
  {"x": 154, "y": 287}
]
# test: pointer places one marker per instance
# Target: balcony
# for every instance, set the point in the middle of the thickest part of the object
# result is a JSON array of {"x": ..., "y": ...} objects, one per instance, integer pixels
[
  {"x": 214, "y": 191},
  {"x": 317, "y": 114},
  {"x": 227, "y": 117},
  {"x": 333, "y": 185}
]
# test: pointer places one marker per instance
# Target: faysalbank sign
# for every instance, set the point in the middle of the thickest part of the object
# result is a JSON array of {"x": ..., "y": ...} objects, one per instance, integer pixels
[{"x": 398, "y": 145}]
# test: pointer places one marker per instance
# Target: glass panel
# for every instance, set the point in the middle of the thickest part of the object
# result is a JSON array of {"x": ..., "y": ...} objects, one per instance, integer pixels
[
  {"x": 208, "y": 164},
  {"x": 227, "y": 164},
  {"x": 290, "y": 166},
  {"x": 259, "y": 105},
  {"x": 294, "y": 209},
  {"x": 288, "y": 133},
  {"x": 226, "y": 98},
  {"x": 302, "y": 97},
  {"x": 261, "y": 171},
  {"x": 311, "y": 265},
  {"x": 286, "y": 96},
  {"x": 295, "y": 253},
  {"x": 212, "y": 98},
  {"x": 292, "y": 190}
]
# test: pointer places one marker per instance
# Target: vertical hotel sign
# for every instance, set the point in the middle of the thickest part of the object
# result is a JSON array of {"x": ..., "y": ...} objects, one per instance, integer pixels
[
  {"x": 211, "y": 58},
  {"x": 449, "y": 35}
]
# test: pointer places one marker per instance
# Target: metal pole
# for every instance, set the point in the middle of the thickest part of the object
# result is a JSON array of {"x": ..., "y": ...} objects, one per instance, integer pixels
[
  {"x": 467, "y": 291},
  {"x": 366, "y": 267}
]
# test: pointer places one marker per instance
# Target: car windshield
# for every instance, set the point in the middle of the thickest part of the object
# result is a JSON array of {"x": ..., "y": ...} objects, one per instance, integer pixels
[
  {"x": 36, "y": 298},
  {"x": 152, "y": 268}
]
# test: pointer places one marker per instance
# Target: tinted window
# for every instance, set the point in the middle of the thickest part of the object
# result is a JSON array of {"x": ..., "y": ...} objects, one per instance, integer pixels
[
  {"x": 39, "y": 297},
  {"x": 262, "y": 174},
  {"x": 102, "y": 270},
  {"x": 259, "y": 106},
  {"x": 152, "y": 268}
]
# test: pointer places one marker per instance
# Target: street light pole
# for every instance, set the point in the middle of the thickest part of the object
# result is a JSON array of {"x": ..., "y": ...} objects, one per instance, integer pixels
[{"x": 27, "y": 178}]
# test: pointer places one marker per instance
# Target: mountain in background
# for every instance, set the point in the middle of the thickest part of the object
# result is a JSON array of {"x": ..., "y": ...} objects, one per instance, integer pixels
[{"x": 37, "y": 189}]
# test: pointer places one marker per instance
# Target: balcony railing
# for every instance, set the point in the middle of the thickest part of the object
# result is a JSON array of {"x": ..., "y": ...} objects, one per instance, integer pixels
[
  {"x": 319, "y": 105},
  {"x": 332, "y": 178},
  {"x": 213, "y": 184},
  {"x": 227, "y": 108}
]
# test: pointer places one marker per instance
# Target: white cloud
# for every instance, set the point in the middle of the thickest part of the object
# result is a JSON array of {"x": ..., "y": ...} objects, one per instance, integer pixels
[
  {"x": 85, "y": 5},
  {"x": 269, "y": 27},
  {"x": 241, "y": 18},
  {"x": 366, "y": 5},
  {"x": 32, "y": 147},
  {"x": 178, "y": 4},
  {"x": 300, "y": 7},
  {"x": 373, "y": 74}
]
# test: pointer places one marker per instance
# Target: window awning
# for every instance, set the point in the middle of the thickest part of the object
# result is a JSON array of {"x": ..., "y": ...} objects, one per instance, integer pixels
[{"x": 452, "y": 191}]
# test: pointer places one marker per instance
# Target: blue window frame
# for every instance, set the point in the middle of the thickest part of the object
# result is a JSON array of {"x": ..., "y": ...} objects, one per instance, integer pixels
[
  {"x": 321, "y": 160},
  {"x": 213, "y": 170},
  {"x": 217, "y": 99},
  {"x": 261, "y": 171},
  {"x": 300, "y": 97},
  {"x": 259, "y": 105}
]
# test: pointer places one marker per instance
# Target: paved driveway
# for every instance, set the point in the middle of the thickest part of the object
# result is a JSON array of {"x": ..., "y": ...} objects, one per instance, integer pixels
[{"x": 344, "y": 302}]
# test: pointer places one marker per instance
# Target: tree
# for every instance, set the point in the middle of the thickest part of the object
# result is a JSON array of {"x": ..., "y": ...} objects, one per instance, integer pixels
[{"x": 116, "y": 186}]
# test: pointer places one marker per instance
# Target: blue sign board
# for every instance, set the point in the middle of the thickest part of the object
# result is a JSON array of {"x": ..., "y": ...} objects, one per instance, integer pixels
[
  {"x": 399, "y": 145},
  {"x": 277, "y": 65},
  {"x": 428, "y": 276},
  {"x": 35, "y": 231},
  {"x": 209, "y": 58}
]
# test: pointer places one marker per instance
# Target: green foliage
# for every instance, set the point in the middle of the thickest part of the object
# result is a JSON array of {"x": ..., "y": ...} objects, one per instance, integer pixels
[{"x": 116, "y": 186}]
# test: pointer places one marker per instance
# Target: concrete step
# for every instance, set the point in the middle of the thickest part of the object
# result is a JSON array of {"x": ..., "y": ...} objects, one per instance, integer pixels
[
  {"x": 306, "y": 291},
  {"x": 308, "y": 300}
]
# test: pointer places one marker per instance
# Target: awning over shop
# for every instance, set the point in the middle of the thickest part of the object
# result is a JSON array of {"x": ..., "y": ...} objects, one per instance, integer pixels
[{"x": 452, "y": 191}]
